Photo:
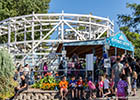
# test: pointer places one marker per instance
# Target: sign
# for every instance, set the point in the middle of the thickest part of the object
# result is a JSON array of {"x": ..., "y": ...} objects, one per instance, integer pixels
[
  {"x": 107, "y": 63},
  {"x": 89, "y": 62},
  {"x": 63, "y": 52},
  {"x": 120, "y": 41}
]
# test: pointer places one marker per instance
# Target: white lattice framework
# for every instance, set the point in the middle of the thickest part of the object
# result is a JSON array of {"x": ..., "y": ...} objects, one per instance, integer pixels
[{"x": 64, "y": 27}]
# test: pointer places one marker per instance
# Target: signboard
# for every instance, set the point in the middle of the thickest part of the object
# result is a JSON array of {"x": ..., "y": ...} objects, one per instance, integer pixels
[
  {"x": 89, "y": 62},
  {"x": 107, "y": 63},
  {"x": 120, "y": 41},
  {"x": 63, "y": 52}
]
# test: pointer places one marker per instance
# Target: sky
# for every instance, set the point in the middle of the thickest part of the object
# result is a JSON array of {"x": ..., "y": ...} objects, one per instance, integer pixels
[{"x": 102, "y": 8}]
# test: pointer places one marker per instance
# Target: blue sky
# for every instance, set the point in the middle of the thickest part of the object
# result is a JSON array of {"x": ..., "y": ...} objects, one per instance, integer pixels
[{"x": 103, "y": 8}]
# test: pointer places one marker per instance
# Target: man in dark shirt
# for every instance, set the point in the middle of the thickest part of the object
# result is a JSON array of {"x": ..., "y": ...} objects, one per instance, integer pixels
[
  {"x": 23, "y": 86},
  {"x": 128, "y": 72}
]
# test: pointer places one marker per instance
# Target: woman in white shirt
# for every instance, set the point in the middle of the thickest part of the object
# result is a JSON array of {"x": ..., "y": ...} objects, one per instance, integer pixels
[{"x": 106, "y": 86}]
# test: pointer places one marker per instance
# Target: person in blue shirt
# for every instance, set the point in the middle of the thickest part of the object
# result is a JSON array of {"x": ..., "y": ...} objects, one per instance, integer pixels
[{"x": 72, "y": 85}]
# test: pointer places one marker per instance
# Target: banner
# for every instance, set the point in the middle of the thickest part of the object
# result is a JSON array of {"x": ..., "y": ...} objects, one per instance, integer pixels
[{"x": 89, "y": 62}]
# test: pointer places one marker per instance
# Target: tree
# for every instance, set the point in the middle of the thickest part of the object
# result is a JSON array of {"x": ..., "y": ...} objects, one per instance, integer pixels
[
  {"x": 129, "y": 24},
  {"x": 11, "y": 8}
]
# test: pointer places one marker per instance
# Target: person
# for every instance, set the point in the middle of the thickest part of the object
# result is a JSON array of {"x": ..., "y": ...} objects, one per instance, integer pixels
[
  {"x": 106, "y": 86},
  {"x": 63, "y": 88},
  {"x": 134, "y": 82},
  {"x": 61, "y": 68},
  {"x": 92, "y": 90},
  {"x": 138, "y": 71},
  {"x": 21, "y": 69},
  {"x": 45, "y": 68},
  {"x": 85, "y": 88},
  {"x": 128, "y": 72},
  {"x": 36, "y": 73},
  {"x": 17, "y": 76},
  {"x": 80, "y": 87},
  {"x": 31, "y": 77},
  {"x": 26, "y": 71},
  {"x": 75, "y": 57},
  {"x": 72, "y": 85},
  {"x": 117, "y": 69},
  {"x": 78, "y": 67},
  {"x": 90, "y": 75},
  {"x": 122, "y": 87},
  {"x": 111, "y": 85},
  {"x": 21, "y": 88},
  {"x": 101, "y": 85}
]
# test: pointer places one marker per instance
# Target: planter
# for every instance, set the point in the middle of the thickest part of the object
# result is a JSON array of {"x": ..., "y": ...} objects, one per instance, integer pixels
[{"x": 37, "y": 94}]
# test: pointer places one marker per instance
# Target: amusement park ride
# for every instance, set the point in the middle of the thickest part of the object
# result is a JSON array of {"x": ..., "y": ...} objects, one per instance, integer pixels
[{"x": 35, "y": 37}]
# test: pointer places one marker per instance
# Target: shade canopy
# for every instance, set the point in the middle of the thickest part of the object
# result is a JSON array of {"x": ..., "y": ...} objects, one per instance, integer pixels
[
  {"x": 82, "y": 48},
  {"x": 120, "y": 41}
]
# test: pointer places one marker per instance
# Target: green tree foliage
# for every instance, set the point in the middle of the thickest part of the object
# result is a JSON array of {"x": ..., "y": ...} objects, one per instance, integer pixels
[
  {"x": 11, "y": 8},
  {"x": 131, "y": 22},
  {"x": 6, "y": 73},
  {"x": 130, "y": 25}
]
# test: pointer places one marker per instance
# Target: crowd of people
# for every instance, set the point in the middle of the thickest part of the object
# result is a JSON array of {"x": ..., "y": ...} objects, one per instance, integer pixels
[{"x": 120, "y": 80}]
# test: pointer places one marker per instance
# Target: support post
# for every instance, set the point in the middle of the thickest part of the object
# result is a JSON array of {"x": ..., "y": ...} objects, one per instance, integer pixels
[
  {"x": 90, "y": 27},
  {"x": 64, "y": 60},
  {"x": 33, "y": 38},
  {"x": 62, "y": 27},
  {"x": 15, "y": 34},
  {"x": 125, "y": 52},
  {"x": 132, "y": 53},
  {"x": 93, "y": 65},
  {"x": 25, "y": 36},
  {"x": 41, "y": 35},
  {"x": 9, "y": 36},
  {"x": 108, "y": 29},
  {"x": 115, "y": 51}
]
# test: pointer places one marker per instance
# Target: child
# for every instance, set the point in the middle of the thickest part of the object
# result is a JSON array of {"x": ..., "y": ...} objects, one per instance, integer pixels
[
  {"x": 85, "y": 88},
  {"x": 63, "y": 88},
  {"x": 72, "y": 85},
  {"x": 106, "y": 86},
  {"x": 92, "y": 89},
  {"x": 111, "y": 84},
  {"x": 134, "y": 84},
  {"x": 101, "y": 84},
  {"x": 80, "y": 87},
  {"x": 122, "y": 87}
]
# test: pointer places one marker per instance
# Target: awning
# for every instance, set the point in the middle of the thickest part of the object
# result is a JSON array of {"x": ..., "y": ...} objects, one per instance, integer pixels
[{"x": 120, "y": 41}]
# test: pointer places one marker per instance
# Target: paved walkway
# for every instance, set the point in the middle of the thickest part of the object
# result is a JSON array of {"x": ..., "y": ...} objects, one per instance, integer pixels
[{"x": 137, "y": 97}]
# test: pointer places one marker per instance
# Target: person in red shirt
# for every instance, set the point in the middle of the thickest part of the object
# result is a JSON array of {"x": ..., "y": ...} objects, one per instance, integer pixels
[
  {"x": 63, "y": 88},
  {"x": 80, "y": 87},
  {"x": 101, "y": 85}
]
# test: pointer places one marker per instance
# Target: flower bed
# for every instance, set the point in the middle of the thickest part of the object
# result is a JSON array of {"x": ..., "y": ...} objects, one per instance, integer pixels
[{"x": 47, "y": 83}]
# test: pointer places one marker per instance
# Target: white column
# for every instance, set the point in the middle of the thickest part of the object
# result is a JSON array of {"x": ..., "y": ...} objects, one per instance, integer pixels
[
  {"x": 25, "y": 35},
  {"x": 115, "y": 51},
  {"x": 33, "y": 38},
  {"x": 62, "y": 27},
  {"x": 15, "y": 34},
  {"x": 108, "y": 30},
  {"x": 9, "y": 36},
  {"x": 90, "y": 28}
]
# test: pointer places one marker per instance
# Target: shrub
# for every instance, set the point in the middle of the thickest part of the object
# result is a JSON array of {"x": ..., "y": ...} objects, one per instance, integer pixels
[{"x": 6, "y": 74}]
